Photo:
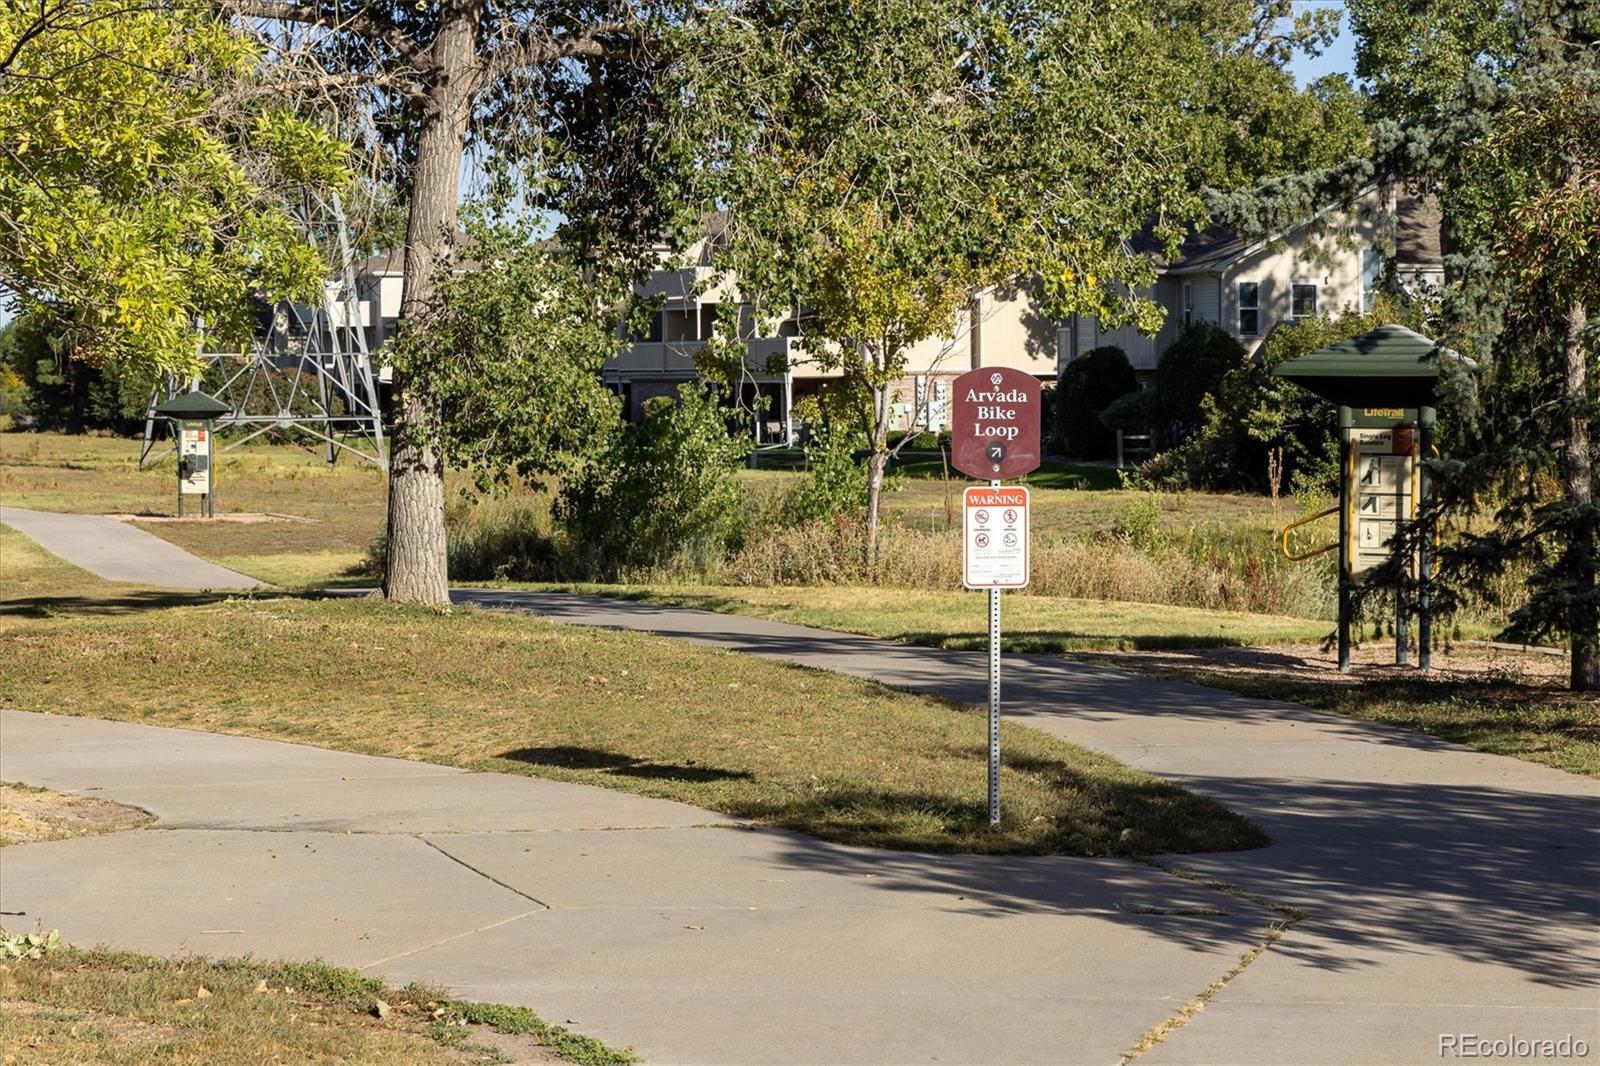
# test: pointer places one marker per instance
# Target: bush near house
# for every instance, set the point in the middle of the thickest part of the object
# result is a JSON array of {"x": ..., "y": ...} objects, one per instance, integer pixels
[
  {"x": 1191, "y": 370},
  {"x": 1247, "y": 415},
  {"x": 661, "y": 494},
  {"x": 1087, "y": 387}
]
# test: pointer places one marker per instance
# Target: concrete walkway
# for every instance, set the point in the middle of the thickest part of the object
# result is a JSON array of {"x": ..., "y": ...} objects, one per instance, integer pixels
[
  {"x": 1445, "y": 891},
  {"x": 118, "y": 551},
  {"x": 643, "y": 922}
]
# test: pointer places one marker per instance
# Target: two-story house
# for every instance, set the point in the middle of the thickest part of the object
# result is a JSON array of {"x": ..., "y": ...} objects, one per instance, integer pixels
[
  {"x": 1325, "y": 266},
  {"x": 999, "y": 327}
]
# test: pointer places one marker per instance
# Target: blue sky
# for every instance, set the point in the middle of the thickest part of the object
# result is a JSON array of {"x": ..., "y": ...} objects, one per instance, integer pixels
[{"x": 1340, "y": 58}]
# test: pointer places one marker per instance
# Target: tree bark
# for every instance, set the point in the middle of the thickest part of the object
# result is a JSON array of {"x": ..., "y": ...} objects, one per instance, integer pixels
[
  {"x": 1579, "y": 475},
  {"x": 415, "y": 567},
  {"x": 877, "y": 463}
]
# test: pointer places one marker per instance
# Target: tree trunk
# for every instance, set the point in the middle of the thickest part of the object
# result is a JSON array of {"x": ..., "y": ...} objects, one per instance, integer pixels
[
  {"x": 1579, "y": 471},
  {"x": 877, "y": 462},
  {"x": 875, "y": 466},
  {"x": 415, "y": 568}
]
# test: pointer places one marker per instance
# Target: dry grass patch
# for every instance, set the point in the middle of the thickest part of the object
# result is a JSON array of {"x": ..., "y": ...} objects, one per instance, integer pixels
[
  {"x": 30, "y": 814},
  {"x": 844, "y": 759},
  {"x": 99, "y": 1006}
]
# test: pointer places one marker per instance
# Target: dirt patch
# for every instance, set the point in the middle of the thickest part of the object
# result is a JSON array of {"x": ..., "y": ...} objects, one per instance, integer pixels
[
  {"x": 1373, "y": 661},
  {"x": 33, "y": 814},
  {"x": 244, "y": 518}
]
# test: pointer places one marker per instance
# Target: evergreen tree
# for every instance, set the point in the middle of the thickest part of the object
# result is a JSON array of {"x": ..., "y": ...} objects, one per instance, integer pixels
[{"x": 1495, "y": 109}]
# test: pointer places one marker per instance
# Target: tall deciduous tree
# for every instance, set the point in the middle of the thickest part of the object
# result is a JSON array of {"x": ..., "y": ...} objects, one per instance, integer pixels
[
  {"x": 881, "y": 161},
  {"x": 553, "y": 100},
  {"x": 138, "y": 174}
]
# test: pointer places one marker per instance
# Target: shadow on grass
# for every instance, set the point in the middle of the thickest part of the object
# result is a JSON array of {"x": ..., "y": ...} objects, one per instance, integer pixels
[
  {"x": 122, "y": 603},
  {"x": 576, "y": 758}
]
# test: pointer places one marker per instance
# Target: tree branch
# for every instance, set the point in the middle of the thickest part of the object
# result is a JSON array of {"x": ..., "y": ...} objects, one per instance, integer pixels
[
  {"x": 361, "y": 22},
  {"x": 534, "y": 46}
]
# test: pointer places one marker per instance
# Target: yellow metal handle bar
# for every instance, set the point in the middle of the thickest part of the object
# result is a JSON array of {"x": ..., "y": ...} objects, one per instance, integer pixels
[{"x": 1292, "y": 526}]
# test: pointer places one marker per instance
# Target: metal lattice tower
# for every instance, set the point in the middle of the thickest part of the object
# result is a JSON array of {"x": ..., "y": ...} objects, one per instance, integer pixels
[{"x": 308, "y": 377}]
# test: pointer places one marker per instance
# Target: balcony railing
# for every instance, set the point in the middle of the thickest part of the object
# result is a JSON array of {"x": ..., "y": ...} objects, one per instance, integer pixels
[{"x": 677, "y": 357}]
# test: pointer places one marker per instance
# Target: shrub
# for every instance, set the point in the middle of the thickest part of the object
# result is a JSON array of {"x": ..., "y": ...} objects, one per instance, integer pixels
[
  {"x": 1191, "y": 370},
  {"x": 1087, "y": 387},
  {"x": 834, "y": 482},
  {"x": 1132, "y": 412},
  {"x": 40, "y": 379},
  {"x": 660, "y": 495}
]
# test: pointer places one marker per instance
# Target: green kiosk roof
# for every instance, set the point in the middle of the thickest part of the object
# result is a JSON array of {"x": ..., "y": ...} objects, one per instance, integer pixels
[
  {"x": 196, "y": 405},
  {"x": 1387, "y": 367}
]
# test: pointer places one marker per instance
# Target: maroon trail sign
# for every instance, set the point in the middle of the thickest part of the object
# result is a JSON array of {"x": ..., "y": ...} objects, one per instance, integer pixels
[{"x": 995, "y": 423}]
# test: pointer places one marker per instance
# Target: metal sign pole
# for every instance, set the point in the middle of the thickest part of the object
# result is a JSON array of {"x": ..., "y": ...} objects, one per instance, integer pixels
[{"x": 994, "y": 700}]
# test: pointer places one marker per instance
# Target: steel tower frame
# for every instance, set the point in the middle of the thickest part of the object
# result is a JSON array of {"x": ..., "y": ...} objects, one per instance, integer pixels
[{"x": 309, "y": 377}]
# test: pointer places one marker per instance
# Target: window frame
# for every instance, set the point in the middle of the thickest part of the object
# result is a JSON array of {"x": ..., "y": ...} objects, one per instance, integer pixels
[
  {"x": 1188, "y": 304},
  {"x": 1316, "y": 299},
  {"x": 1253, "y": 307}
]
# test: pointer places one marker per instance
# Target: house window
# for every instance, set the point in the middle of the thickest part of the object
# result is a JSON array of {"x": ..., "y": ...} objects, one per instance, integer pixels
[
  {"x": 1249, "y": 308},
  {"x": 1302, "y": 301},
  {"x": 1371, "y": 271},
  {"x": 1188, "y": 303}
]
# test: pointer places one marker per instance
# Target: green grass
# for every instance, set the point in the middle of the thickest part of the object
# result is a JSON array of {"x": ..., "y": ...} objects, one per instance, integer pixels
[
  {"x": 844, "y": 759},
  {"x": 99, "y": 475},
  {"x": 959, "y": 619},
  {"x": 94, "y": 474},
  {"x": 1498, "y": 715},
  {"x": 74, "y": 1005}
]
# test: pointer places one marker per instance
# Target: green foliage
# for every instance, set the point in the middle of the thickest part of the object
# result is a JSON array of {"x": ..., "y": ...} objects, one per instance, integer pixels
[
  {"x": 508, "y": 542},
  {"x": 511, "y": 353},
  {"x": 1192, "y": 369},
  {"x": 40, "y": 378},
  {"x": 573, "y": 1047},
  {"x": 1132, "y": 412},
  {"x": 963, "y": 166},
  {"x": 28, "y": 945},
  {"x": 128, "y": 202},
  {"x": 1501, "y": 109},
  {"x": 1249, "y": 414},
  {"x": 1088, "y": 385},
  {"x": 659, "y": 494},
  {"x": 834, "y": 482}
]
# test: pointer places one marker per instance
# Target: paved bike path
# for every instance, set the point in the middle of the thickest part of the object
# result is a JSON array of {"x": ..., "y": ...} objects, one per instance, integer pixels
[
  {"x": 1446, "y": 890},
  {"x": 119, "y": 551}
]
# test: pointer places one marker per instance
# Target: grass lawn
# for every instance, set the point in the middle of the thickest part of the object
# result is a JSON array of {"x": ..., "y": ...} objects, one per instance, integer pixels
[
  {"x": 959, "y": 619},
  {"x": 101, "y": 475},
  {"x": 89, "y": 474},
  {"x": 112, "y": 1007},
  {"x": 844, "y": 759}
]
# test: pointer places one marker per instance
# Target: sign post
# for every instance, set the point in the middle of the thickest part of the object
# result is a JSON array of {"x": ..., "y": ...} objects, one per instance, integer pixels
[
  {"x": 995, "y": 435},
  {"x": 192, "y": 416}
]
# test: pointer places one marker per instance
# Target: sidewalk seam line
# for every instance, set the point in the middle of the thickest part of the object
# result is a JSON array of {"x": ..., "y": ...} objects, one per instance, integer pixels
[{"x": 480, "y": 873}]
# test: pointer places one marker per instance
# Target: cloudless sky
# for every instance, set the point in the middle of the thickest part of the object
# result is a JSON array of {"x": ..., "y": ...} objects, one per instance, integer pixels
[{"x": 1340, "y": 56}]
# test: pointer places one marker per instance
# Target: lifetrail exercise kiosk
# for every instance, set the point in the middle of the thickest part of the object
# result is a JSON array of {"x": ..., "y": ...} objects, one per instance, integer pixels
[
  {"x": 1384, "y": 382},
  {"x": 192, "y": 415}
]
